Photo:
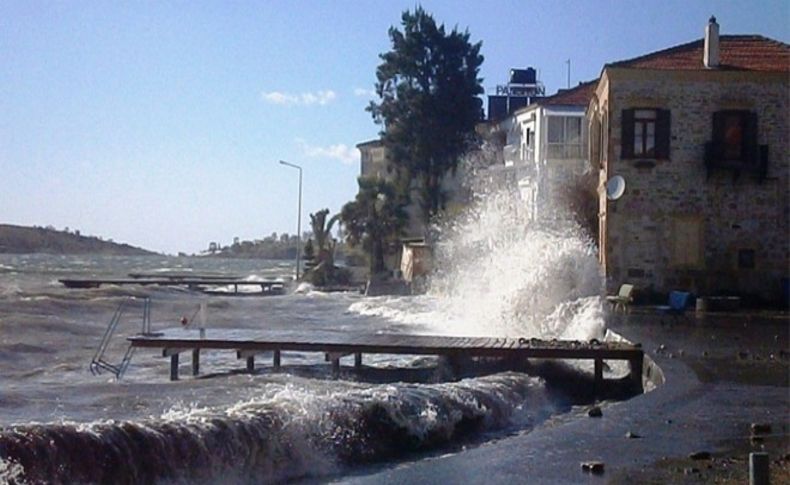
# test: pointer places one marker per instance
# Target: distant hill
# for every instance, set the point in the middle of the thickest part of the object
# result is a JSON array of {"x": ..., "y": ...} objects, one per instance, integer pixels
[{"x": 23, "y": 240}]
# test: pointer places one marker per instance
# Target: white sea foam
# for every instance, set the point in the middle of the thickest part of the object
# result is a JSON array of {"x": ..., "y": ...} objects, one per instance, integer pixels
[
  {"x": 11, "y": 472},
  {"x": 502, "y": 273}
]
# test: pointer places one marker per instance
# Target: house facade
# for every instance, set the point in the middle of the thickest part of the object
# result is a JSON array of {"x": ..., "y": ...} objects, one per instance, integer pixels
[
  {"x": 699, "y": 132},
  {"x": 545, "y": 145},
  {"x": 373, "y": 161}
]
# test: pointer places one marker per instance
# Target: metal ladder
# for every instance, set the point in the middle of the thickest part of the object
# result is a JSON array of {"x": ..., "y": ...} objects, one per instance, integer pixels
[{"x": 99, "y": 363}]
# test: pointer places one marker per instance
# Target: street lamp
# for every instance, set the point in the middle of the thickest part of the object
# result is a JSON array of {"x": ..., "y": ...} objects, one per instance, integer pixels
[{"x": 298, "y": 217}]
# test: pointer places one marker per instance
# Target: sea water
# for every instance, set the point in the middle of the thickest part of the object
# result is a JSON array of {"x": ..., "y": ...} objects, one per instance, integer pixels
[{"x": 498, "y": 274}]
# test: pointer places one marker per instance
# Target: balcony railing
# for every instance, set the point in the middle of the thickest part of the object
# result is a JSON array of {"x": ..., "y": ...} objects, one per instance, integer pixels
[{"x": 754, "y": 160}]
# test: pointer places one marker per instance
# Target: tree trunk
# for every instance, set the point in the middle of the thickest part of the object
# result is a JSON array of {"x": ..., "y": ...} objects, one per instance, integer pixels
[{"x": 377, "y": 258}]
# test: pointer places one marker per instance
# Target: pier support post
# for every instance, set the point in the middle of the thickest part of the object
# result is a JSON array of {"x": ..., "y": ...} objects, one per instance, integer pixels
[
  {"x": 358, "y": 360},
  {"x": 335, "y": 367},
  {"x": 251, "y": 364},
  {"x": 276, "y": 360},
  {"x": 174, "y": 367},
  {"x": 598, "y": 383},
  {"x": 759, "y": 469},
  {"x": 195, "y": 362},
  {"x": 635, "y": 366}
]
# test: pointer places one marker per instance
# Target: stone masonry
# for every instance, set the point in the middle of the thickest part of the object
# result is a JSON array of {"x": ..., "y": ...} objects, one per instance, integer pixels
[{"x": 676, "y": 226}]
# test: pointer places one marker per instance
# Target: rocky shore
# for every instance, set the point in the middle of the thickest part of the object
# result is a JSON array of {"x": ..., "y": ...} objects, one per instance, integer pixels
[{"x": 725, "y": 394}]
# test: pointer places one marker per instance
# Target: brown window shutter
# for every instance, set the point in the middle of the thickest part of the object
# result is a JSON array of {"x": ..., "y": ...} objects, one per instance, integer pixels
[
  {"x": 751, "y": 149},
  {"x": 662, "y": 133},
  {"x": 718, "y": 135},
  {"x": 627, "y": 123},
  {"x": 718, "y": 127}
]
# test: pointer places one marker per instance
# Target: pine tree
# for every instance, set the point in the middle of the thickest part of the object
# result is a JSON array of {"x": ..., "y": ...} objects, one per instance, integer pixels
[{"x": 428, "y": 87}]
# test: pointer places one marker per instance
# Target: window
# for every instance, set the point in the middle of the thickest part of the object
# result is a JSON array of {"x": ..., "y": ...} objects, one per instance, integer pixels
[
  {"x": 529, "y": 147},
  {"x": 594, "y": 153},
  {"x": 734, "y": 135},
  {"x": 564, "y": 137},
  {"x": 646, "y": 133}
]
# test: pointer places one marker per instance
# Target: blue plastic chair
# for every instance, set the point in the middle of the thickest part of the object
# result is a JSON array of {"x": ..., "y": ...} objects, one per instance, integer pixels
[{"x": 678, "y": 303}]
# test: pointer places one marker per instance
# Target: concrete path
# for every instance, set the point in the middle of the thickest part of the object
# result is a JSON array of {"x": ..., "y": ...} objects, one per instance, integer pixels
[{"x": 723, "y": 373}]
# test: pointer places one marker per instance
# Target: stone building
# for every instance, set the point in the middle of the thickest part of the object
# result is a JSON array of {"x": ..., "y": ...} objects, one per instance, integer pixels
[{"x": 699, "y": 132}]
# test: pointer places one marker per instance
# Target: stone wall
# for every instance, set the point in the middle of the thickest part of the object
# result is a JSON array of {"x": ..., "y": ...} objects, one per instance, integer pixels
[{"x": 672, "y": 205}]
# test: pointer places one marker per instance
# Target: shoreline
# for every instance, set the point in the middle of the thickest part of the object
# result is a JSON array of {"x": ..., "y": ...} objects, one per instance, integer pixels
[{"x": 720, "y": 379}]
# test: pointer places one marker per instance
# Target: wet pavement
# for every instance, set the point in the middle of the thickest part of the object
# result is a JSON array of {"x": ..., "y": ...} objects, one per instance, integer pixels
[{"x": 723, "y": 373}]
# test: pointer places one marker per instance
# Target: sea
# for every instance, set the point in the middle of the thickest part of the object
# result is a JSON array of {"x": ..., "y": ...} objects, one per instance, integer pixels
[{"x": 497, "y": 273}]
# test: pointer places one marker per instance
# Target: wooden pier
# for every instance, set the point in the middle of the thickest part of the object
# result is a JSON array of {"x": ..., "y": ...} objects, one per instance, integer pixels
[
  {"x": 201, "y": 284},
  {"x": 248, "y": 343}
]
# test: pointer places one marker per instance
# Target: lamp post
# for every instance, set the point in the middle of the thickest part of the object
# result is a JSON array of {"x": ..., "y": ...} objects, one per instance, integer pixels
[{"x": 298, "y": 217}]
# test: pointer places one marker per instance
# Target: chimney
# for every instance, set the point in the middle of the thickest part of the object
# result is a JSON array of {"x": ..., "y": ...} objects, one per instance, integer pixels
[{"x": 710, "y": 54}]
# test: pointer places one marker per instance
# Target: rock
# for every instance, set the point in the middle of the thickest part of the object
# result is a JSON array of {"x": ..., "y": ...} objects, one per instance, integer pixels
[
  {"x": 595, "y": 467},
  {"x": 760, "y": 428},
  {"x": 594, "y": 412},
  {"x": 700, "y": 455},
  {"x": 632, "y": 435}
]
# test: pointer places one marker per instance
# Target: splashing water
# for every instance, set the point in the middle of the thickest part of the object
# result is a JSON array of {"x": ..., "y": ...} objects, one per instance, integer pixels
[{"x": 501, "y": 272}]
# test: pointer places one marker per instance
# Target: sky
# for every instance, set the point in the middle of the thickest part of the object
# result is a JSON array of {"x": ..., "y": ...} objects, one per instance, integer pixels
[{"x": 160, "y": 124}]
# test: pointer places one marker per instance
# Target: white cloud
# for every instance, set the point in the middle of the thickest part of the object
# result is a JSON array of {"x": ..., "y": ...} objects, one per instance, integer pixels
[
  {"x": 322, "y": 98},
  {"x": 339, "y": 151},
  {"x": 364, "y": 93}
]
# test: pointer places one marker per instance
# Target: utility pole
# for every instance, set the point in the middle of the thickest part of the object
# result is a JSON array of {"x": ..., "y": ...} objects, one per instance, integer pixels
[{"x": 298, "y": 218}]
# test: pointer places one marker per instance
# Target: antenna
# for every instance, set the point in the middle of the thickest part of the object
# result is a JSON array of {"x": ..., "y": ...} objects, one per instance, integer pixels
[
  {"x": 569, "y": 72},
  {"x": 615, "y": 187}
]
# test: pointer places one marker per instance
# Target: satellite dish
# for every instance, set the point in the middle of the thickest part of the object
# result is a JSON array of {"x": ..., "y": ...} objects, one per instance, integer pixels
[{"x": 615, "y": 187}]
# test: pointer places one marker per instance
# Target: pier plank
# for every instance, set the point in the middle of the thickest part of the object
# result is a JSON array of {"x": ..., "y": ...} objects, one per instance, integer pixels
[{"x": 181, "y": 339}]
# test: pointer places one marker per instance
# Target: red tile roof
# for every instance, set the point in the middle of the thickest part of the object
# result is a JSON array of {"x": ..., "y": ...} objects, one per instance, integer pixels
[
  {"x": 576, "y": 96},
  {"x": 736, "y": 52}
]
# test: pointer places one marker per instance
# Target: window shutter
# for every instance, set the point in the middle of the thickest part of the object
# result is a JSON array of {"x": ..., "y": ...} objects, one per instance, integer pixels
[
  {"x": 627, "y": 123},
  {"x": 750, "y": 147},
  {"x": 663, "y": 133},
  {"x": 718, "y": 135},
  {"x": 718, "y": 126}
]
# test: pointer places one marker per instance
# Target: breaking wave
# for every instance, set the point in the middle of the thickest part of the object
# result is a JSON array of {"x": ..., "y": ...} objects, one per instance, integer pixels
[{"x": 290, "y": 432}]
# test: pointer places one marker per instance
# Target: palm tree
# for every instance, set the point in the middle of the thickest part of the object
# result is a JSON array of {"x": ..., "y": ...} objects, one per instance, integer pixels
[
  {"x": 322, "y": 270},
  {"x": 322, "y": 232}
]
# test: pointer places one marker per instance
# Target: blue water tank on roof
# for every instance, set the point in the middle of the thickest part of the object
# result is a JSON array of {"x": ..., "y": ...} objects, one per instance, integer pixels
[{"x": 523, "y": 76}]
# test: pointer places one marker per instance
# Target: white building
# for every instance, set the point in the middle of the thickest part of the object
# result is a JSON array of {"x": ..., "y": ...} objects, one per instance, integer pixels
[{"x": 545, "y": 143}]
